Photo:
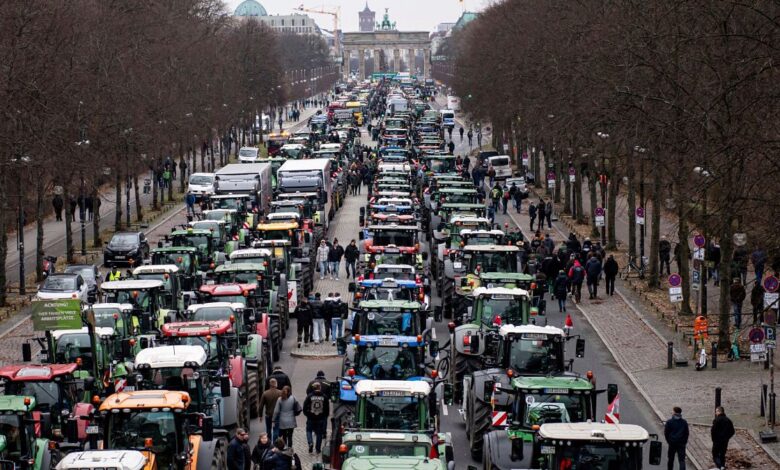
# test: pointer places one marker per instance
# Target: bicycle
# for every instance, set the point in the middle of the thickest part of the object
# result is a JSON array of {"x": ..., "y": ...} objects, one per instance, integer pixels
[
  {"x": 633, "y": 266},
  {"x": 443, "y": 365}
]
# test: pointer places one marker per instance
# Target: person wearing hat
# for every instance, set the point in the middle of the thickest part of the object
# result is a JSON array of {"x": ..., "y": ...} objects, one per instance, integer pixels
[{"x": 114, "y": 274}]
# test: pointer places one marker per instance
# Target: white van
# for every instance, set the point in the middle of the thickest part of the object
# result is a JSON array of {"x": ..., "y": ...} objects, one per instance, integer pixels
[
  {"x": 503, "y": 166},
  {"x": 248, "y": 154},
  {"x": 201, "y": 184},
  {"x": 448, "y": 118}
]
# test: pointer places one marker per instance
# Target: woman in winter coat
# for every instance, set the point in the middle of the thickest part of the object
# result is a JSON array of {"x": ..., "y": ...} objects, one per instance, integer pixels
[
  {"x": 285, "y": 411},
  {"x": 261, "y": 451},
  {"x": 560, "y": 288}
]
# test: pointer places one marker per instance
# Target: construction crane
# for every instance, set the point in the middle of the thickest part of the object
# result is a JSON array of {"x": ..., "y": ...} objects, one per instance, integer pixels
[{"x": 335, "y": 13}]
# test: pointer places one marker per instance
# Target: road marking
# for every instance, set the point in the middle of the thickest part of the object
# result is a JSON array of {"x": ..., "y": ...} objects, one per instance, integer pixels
[{"x": 445, "y": 410}]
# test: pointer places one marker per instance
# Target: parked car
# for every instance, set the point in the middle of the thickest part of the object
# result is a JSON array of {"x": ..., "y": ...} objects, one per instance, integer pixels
[
  {"x": 63, "y": 286},
  {"x": 90, "y": 273},
  {"x": 126, "y": 248}
]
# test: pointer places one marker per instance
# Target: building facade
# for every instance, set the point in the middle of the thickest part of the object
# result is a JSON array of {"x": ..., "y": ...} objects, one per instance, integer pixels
[
  {"x": 367, "y": 19},
  {"x": 295, "y": 23}
]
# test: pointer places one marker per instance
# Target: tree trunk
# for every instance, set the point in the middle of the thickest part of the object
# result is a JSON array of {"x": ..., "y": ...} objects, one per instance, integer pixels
[
  {"x": 685, "y": 272},
  {"x": 3, "y": 243},
  {"x": 118, "y": 201},
  {"x": 96, "y": 241},
  {"x": 202, "y": 157},
  {"x": 68, "y": 224},
  {"x": 39, "y": 229},
  {"x": 182, "y": 171},
  {"x": 155, "y": 206},
  {"x": 655, "y": 232},
  {"x": 631, "y": 174},
  {"x": 139, "y": 214},
  {"x": 613, "y": 187}
]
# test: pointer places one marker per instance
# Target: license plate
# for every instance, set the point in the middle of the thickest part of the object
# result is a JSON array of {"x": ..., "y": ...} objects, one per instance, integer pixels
[
  {"x": 457, "y": 265},
  {"x": 119, "y": 257},
  {"x": 387, "y": 341},
  {"x": 92, "y": 430}
]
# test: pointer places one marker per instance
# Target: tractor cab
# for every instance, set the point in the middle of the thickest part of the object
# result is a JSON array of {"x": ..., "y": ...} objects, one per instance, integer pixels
[
  {"x": 389, "y": 317},
  {"x": 168, "y": 274},
  {"x": 186, "y": 259},
  {"x": 381, "y": 357},
  {"x": 19, "y": 440},
  {"x": 388, "y": 289},
  {"x": 358, "y": 450},
  {"x": 202, "y": 240},
  {"x": 148, "y": 298}
]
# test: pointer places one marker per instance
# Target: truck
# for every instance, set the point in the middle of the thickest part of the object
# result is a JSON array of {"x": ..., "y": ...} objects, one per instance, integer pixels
[
  {"x": 310, "y": 176},
  {"x": 253, "y": 179}
]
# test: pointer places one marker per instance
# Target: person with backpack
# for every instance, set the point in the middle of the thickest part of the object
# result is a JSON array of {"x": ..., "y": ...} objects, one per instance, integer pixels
[
  {"x": 495, "y": 195},
  {"x": 576, "y": 276},
  {"x": 316, "y": 408},
  {"x": 287, "y": 408}
]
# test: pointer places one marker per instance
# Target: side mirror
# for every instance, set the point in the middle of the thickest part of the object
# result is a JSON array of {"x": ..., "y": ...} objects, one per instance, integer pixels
[
  {"x": 249, "y": 316},
  {"x": 26, "y": 352},
  {"x": 144, "y": 342},
  {"x": 341, "y": 346},
  {"x": 325, "y": 452},
  {"x": 579, "y": 348},
  {"x": 145, "y": 321},
  {"x": 433, "y": 348},
  {"x": 656, "y": 448},
  {"x": 517, "y": 450},
  {"x": 352, "y": 287},
  {"x": 361, "y": 221},
  {"x": 437, "y": 313},
  {"x": 224, "y": 386},
  {"x": 449, "y": 393},
  {"x": 612, "y": 391},
  {"x": 475, "y": 342},
  {"x": 335, "y": 391},
  {"x": 92, "y": 298},
  {"x": 127, "y": 350},
  {"x": 207, "y": 428}
]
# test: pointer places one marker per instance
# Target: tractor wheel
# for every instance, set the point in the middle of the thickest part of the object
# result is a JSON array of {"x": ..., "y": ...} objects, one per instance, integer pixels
[
  {"x": 283, "y": 303},
  {"x": 276, "y": 339},
  {"x": 304, "y": 281},
  {"x": 218, "y": 460},
  {"x": 254, "y": 392},
  {"x": 319, "y": 233},
  {"x": 463, "y": 365},
  {"x": 243, "y": 411},
  {"x": 479, "y": 419},
  {"x": 342, "y": 414}
]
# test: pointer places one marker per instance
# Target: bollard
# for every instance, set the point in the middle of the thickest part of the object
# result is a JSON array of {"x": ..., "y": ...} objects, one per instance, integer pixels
[
  {"x": 717, "y": 396},
  {"x": 669, "y": 355},
  {"x": 764, "y": 388},
  {"x": 715, "y": 356},
  {"x": 772, "y": 397}
]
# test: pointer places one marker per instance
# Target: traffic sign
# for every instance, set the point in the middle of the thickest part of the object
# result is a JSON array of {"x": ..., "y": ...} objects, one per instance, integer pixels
[
  {"x": 675, "y": 280},
  {"x": 769, "y": 333},
  {"x": 757, "y": 352},
  {"x": 675, "y": 298},
  {"x": 771, "y": 284},
  {"x": 771, "y": 299},
  {"x": 640, "y": 215},
  {"x": 699, "y": 240},
  {"x": 551, "y": 176},
  {"x": 599, "y": 212},
  {"x": 756, "y": 335},
  {"x": 572, "y": 175},
  {"x": 698, "y": 254}
]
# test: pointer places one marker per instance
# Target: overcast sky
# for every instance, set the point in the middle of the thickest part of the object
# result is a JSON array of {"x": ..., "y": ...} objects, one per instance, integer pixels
[{"x": 409, "y": 15}]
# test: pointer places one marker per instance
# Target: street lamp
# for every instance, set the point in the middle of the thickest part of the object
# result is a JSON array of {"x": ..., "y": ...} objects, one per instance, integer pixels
[
  {"x": 706, "y": 174},
  {"x": 603, "y": 178},
  {"x": 641, "y": 151}
]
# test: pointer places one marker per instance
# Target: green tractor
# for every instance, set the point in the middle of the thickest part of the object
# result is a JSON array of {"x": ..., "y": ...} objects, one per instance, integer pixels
[
  {"x": 149, "y": 299},
  {"x": 513, "y": 351},
  {"x": 361, "y": 450},
  {"x": 203, "y": 240},
  {"x": 273, "y": 298},
  {"x": 21, "y": 443},
  {"x": 452, "y": 238},
  {"x": 186, "y": 259},
  {"x": 168, "y": 274},
  {"x": 578, "y": 445}
]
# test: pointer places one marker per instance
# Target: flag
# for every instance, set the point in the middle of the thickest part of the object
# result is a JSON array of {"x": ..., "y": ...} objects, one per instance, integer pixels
[{"x": 612, "y": 414}]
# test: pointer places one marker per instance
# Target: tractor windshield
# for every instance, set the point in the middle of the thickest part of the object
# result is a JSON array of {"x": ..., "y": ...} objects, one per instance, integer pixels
[
  {"x": 73, "y": 346},
  {"x": 200, "y": 242},
  {"x": 47, "y": 394},
  {"x": 494, "y": 262},
  {"x": 238, "y": 277},
  {"x": 441, "y": 166},
  {"x": 506, "y": 307},
  {"x": 211, "y": 314},
  {"x": 137, "y": 298},
  {"x": 394, "y": 258},
  {"x": 388, "y": 323},
  {"x": 393, "y": 412},
  {"x": 596, "y": 456},
  {"x": 388, "y": 293},
  {"x": 181, "y": 260},
  {"x": 535, "y": 356},
  {"x": 553, "y": 408},
  {"x": 394, "y": 237},
  {"x": 130, "y": 430},
  {"x": 209, "y": 343},
  {"x": 387, "y": 449},
  {"x": 12, "y": 428},
  {"x": 390, "y": 362}
]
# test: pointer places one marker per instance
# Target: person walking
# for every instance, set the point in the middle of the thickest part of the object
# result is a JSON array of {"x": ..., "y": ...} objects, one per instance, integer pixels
[
  {"x": 506, "y": 196},
  {"x": 676, "y": 434},
  {"x": 541, "y": 210},
  {"x": 328, "y": 309},
  {"x": 190, "y": 201},
  {"x": 461, "y": 133},
  {"x": 593, "y": 269},
  {"x": 304, "y": 322},
  {"x": 351, "y": 255},
  {"x": 495, "y": 196},
  {"x": 316, "y": 408},
  {"x": 758, "y": 258},
  {"x": 318, "y": 318},
  {"x": 268, "y": 405},
  {"x": 236, "y": 460},
  {"x": 610, "y": 273},
  {"x": 336, "y": 321},
  {"x": 491, "y": 174},
  {"x": 451, "y": 147},
  {"x": 261, "y": 451},
  {"x": 281, "y": 455},
  {"x": 664, "y": 253},
  {"x": 532, "y": 213},
  {"x": 471, "y": 137},
  {"x": 282, "y": 379},
  {"x": 576, "y": 277},
  {"x": 287, "y": 408},
  {"x": 721, "y": 432},
  {"x": 548, "y": 210},
  {"x": 73, "y": 203},
  {"x": 560, "y": 288},
  {"x": 58, "y": 205},
  {"x": 322, "y": 258},
  {"x": 737, "y": 296},
  {"x": 334, "y": 258}
]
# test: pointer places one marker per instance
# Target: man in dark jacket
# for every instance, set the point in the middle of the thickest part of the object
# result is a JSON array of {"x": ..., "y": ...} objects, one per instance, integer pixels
[
  {"x": 757, "y": 301},
  {"x": 572, "y": 244},
  {"x": 58, "y": 204},
  {"x": 316, "y": 408},
  {"x": 334, "y": 259},
  {"x": 541, "y": 212},
  {"x": 324, "y": 384},
  {"x": 282, "y": 380},
  {"x": 664, "y": 253},
  {"x": 722, "y": 430},
  {"x": 351, "y": 255},
  {"x": 737, "y": 295},
  {"x": 676, "y": 434},
  {"x": 236, "y": 459},
  {"x": 610, "y": 273},
  {"x": 559, "y": 290},
  {"x": 303, "y": 314},
  {"x": 576, "y": 276},
  {"x": 593, "y": 270},
  {"x": 532, "y": 213}
]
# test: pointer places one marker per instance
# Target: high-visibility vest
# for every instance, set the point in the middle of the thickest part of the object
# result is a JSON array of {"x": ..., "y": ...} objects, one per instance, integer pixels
[{"x": 114, "y": 276}]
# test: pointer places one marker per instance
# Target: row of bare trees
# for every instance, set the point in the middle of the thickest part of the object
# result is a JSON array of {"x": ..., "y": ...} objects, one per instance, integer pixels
[
  {"x": 102, "y": 92},
  {"x": 677, "y": 100}
]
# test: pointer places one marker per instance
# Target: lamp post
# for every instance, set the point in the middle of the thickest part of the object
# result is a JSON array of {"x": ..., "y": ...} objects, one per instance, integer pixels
[
  {"x": 641, "y": 151},
  {"x": 706, "y": 174},
  {"x": 603, "y": 179}
]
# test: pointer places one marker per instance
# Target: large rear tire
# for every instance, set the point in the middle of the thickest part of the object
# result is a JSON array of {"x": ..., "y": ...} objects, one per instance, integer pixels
[
  {"x": 254, "y": 392},
  {"x": 276, "y": 339},
  {"x": 243, "y": 411},
  {"x": 462, "y": 365},
  {"x": 479, "y": 424}
]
